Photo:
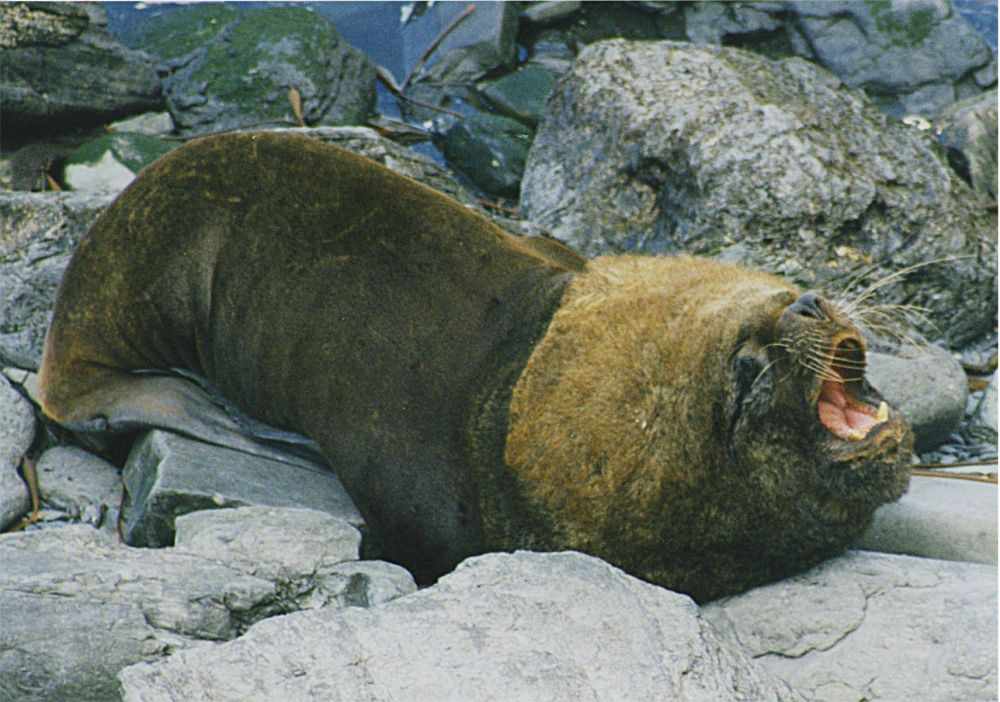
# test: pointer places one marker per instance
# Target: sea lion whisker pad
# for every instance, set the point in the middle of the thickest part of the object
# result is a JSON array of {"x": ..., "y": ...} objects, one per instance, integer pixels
[{"x": 703, "y": 426}]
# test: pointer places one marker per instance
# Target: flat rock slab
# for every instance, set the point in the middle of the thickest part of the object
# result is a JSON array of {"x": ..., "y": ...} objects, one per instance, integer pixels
[
  {"x": 950, "y": 519},
  {"x": 874, "y": 627},
  {"x": 523, "y": 626},
  {"x": 168, "y": 475},
  {"x": 77, "y": 607}
]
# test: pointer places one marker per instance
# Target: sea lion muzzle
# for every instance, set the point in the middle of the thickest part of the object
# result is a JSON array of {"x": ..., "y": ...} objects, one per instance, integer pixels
[{"x": 826, "y": 343}]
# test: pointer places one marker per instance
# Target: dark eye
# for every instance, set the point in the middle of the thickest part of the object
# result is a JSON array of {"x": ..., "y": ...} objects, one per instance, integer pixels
[{"x": 746, "y": 368}]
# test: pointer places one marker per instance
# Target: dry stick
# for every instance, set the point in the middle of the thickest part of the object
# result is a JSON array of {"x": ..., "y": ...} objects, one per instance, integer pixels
[
  {"x": 434, "y": 44},
  {"x": 984, "y": 462},
  {"x": 987, "y": 478},
  {"x": 389, "y": 82}
]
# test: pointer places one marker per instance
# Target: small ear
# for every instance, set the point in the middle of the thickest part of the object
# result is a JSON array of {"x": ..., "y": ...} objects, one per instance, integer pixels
[{"x": 783, "y": 298}]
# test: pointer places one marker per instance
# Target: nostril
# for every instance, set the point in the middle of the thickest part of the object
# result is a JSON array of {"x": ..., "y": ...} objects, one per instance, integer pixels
[{"x": 808, "y": 305}]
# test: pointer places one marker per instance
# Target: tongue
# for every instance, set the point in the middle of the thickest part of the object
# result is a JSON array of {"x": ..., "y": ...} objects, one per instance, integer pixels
[{"x": 838, "y": 415}]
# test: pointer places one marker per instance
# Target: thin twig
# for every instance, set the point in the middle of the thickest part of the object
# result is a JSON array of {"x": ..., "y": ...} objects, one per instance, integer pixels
[
  {"x": 389, "y": 82},
  {"x": 990, "y": 478},
  {"x": 434, "y": 44}
]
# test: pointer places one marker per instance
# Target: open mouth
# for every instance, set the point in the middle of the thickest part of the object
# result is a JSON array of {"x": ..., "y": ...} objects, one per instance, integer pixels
[{"x": 840, "y": 406}]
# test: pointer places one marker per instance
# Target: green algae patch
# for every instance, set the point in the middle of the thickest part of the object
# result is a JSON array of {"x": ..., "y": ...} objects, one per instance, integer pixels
[
  {"x": 909, "y": 28},
  {"x": 184, "y": 31}
]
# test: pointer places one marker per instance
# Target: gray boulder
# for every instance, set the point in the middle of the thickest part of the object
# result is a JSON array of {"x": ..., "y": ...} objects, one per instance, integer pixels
[
  {"x": 946, "y": 518},
  {"x": 910, "y": 57},
  {"x": 986, "y": 413},
  {"x": 62, "y": 68},
  {"x": 484, "y": 41},
  {"x": 38, "y": 232},
  {"x": 313, "y": 555},
  {"x": 968, "y": 129},
  {"x": 78, "y": 606},
  {"x": 81, "y": 485},
  {"x": 168, "y": 475},
  {"x": 874, "y": 627},
  {"x": 927, "y": 384},
  {"x": 226, "y": 69},
  {"x": 661, "y": 147},
  {"x": 17, "y": 431},
  {"x": 522, "y": 626}
]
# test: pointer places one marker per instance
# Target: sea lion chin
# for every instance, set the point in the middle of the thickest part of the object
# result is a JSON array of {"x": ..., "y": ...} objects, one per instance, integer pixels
[{"x": 703, "y": 426}]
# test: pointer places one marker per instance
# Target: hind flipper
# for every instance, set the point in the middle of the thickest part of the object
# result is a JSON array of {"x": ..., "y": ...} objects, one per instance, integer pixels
[{"x": 118, "y": 402}]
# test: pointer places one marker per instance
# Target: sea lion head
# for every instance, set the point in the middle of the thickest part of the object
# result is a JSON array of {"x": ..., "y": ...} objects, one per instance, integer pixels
[{"x": 701, "y": 425}]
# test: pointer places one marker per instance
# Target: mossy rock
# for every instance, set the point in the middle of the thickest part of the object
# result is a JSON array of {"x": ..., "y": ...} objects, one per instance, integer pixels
[
  {"x": 182, "y": 31},
  {"x": 234, "y": 69}
]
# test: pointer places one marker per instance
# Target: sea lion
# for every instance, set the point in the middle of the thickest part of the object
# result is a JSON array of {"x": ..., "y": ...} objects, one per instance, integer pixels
[{"x": 703, "y": 426}]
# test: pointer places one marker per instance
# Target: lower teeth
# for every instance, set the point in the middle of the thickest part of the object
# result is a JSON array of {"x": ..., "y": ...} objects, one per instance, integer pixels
[{"x": 883, "y": 412}]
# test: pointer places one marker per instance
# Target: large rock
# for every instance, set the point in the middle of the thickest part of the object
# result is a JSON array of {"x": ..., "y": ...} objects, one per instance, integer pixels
[
  {"x": 483, "y": 41},
  {"x": 314, "y": 555},
  {"x": 77, "y": 606},
  {"x": 81, "y": 485},
  {"x": 227, "y": 69},
  {"x": 946, "y": 518},
  {"x": 908, "y": 56},
  {"x": 662, "y": 147},
  {"x": 874, "y": 627},
  {"x": 525, "y": 626},
  {"x": 62, "y": 68},
  {"x": 38, "y": 232},
  {"x": 17, "y": 431},
  {"x": 986, "y": 412},
  {"x": 167, "y": 476},
  {"x": 968, "y": 129}
]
